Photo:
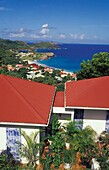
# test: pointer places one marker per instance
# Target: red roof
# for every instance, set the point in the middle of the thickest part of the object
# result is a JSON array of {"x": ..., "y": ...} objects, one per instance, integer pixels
[
  {"x": 88, "y": 93},
  {"x": 59, "y": 99},
  {"x": 24, "y": 101},
  {"x": 74, "y": 75},
  {"x": 34, "y": 65},
  {"x": 61, "y": 73}
]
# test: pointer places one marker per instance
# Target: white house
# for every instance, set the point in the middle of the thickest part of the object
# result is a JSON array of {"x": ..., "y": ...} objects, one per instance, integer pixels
[
  {"x": 29, "y": 106},
  {"x": 23, "y": 104},
  {"x": 86, "y": 101}
]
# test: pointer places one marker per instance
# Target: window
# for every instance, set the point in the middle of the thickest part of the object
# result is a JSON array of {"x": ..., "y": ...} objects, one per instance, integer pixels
[
  {"x": 78, "y": 117},
  {"x": 61, "y": 116}
]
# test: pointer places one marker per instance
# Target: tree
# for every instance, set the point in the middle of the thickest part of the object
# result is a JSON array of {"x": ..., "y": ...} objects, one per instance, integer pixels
[
  {"x": 31, "y": 149},
  {"x": 23, "y": 73},
  {"x": 60, "y": 87},
  {"x": 97, "y": 67}
]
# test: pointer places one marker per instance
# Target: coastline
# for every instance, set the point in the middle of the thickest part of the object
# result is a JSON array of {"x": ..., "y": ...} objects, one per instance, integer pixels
[
  {"x": 37, "y": 62},
  {"x": 47, "y": 56}
]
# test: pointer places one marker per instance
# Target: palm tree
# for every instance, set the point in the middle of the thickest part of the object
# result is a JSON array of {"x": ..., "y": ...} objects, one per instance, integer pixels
[
  {"x": 82, "y": 141},
  {"x": 31, "y": 149}
]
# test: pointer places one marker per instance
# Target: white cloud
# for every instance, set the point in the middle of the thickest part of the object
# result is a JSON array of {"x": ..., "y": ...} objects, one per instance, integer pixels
[
  {"x": 74, "y": 36},
  {"x": 46, "y": 36},
  {"x": 21, "y": 30},
  {"x": 62, "y": 36},
  {"x": 18, "y": 35},
  {"x": 44, "y": 30},
  {"x": 77, "y": 36},
  {"x": 4, "y": 9},
  {"x": 82, "y": 36},
  {"x": 95, "y": 37},
  {"x": 45, "y": 26},
  {"x": 34, "y": 36}
]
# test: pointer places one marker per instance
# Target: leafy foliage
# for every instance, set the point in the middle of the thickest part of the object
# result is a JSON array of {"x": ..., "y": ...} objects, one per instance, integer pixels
[
  {"x": 81, "y": 141},
  {"x": 97, "y": 67},
  {"x": 57, "y": 145},
  {"x": 48, "y": 78},
  {"x": 60, "y": 87},
  {"x": 7, "y": 161},
  {"x": 8, "y": 44},
  {"x": 21, "y": 73},
  {"x": 103, "y": 147},
  {"x": 31, "y": 149}
]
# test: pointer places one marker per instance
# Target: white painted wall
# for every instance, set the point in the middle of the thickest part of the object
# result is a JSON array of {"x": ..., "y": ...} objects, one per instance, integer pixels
[
  {"x": 2, "y": 139},
  {"x": 62, "y": 110},
  {"x": 96, "y": 119},
  {"x": 59, "y": 110}
]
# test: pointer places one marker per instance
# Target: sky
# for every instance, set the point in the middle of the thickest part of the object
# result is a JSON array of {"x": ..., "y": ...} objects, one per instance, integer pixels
[{"x": 61, "y": 21}]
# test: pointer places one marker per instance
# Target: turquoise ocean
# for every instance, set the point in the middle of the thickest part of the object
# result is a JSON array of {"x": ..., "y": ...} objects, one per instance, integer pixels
[{"x": 70, "y": 56}]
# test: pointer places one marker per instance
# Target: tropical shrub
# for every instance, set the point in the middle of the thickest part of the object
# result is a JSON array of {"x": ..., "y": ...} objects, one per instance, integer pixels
[
  {"x": 30, "y": 150},
  {"x": 54, "y": 152},
  {"x": 103, "y": 150},
  {"x": 81, "y": 141}
]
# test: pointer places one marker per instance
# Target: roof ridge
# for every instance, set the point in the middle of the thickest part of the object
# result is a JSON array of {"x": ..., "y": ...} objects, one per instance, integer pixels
[{"x": 23, "y": 98}]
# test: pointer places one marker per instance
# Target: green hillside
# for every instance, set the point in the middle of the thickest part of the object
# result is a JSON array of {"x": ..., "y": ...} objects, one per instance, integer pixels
[
  {"x": 44, "y": 45},
  {"x": 15, "y": 45}
]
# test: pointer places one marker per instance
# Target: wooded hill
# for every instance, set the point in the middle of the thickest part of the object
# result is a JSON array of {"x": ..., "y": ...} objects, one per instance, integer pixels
[
  {"x": 20, "y": 45},
  {"x": 44, "y": 45},
  {"x": 14, "y": 45}
]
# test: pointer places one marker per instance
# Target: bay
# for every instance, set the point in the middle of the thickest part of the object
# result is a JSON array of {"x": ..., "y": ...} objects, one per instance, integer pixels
[{"x": 70, "y": 56}]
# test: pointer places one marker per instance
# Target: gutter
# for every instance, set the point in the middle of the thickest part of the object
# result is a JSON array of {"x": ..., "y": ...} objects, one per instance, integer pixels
[{"x": 87, "y": 108}]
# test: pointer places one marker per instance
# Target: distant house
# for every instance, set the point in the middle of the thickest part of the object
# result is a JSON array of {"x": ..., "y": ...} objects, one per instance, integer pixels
[
  {"x": 34, "y": 66},
  {"x": 50, "y": 70},
  {"x": 63, "y": 74},
  {"x": 74, "y": 76},
  {"x": 30, "y": 106}
]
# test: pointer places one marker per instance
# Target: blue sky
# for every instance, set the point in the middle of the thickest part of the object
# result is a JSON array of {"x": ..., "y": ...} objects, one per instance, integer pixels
[{"x": 66, "y": 21}]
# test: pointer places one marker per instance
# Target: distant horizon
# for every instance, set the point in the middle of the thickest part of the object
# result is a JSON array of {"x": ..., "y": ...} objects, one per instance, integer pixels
[{"x": 32, "y": 41}]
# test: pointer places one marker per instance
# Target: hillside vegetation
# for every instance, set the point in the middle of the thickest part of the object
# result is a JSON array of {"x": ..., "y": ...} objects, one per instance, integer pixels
[
  {"x": 44, "y": 45},
  {"x": 15, "y": 45}
]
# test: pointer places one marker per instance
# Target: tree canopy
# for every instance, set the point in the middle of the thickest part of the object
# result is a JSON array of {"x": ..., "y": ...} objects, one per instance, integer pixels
[{"x": 97, "y": 67}]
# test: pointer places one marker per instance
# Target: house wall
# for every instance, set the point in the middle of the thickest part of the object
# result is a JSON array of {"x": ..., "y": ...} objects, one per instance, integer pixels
[
  {"x": 2, "y": 139},
  {"x": 62, "y": 111},
  {"x": 96, "y": 119}
]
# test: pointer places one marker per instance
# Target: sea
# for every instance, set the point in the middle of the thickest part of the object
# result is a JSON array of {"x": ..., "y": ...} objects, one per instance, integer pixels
[{"x": 70, "y": 56}]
